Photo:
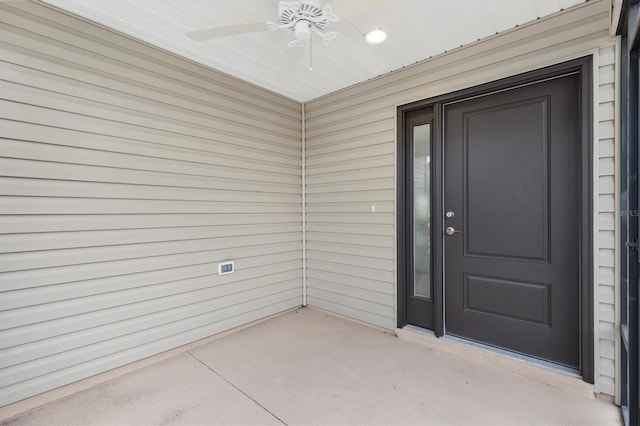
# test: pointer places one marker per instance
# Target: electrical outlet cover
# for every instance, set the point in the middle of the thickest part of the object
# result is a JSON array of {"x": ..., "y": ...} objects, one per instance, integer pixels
[{"x": 225, "y": 268}]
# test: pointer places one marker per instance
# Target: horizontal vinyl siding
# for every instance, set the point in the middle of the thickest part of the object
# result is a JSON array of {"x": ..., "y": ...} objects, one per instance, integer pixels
[
  {"x": 350, "y": 146},
  {"x": 606, "y": 220},
  {"x": 350, "y": 248},
  {"x": 126, "y": 175}
]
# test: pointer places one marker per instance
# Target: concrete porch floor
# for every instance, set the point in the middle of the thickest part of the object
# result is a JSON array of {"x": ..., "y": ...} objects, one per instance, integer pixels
[{"x": 309, "y": 367}]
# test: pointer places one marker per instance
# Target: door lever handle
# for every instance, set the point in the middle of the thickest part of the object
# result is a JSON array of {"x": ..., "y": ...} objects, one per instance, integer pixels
[{"x": 450, "y": 230}]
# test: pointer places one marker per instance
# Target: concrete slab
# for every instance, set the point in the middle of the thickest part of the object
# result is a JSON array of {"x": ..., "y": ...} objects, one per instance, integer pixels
[
  {"x": 180, "y": 390},
  {"x": 310, "y": 367},
  {"x": 500, "y": 359}
]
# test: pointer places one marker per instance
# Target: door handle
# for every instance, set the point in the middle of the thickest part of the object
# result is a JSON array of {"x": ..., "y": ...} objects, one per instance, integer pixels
[{"x": 450, "y": 230}]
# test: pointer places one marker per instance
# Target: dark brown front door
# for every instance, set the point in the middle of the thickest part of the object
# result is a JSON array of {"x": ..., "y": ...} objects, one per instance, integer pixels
[{"x": 511, "y": 202}]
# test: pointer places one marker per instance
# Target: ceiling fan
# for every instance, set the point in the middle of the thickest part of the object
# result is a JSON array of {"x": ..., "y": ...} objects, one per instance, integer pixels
[{"x": 304, "y": 18}]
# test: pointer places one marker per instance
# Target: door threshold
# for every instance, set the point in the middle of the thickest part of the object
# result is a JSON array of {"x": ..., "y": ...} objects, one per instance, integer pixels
[
  {"x": 515, "y": 355},
  {"x": 524, "y": 366}
]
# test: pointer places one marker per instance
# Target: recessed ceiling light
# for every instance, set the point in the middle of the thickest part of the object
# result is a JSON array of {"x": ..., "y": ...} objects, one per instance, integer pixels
[{"x": 375, "y": 36}]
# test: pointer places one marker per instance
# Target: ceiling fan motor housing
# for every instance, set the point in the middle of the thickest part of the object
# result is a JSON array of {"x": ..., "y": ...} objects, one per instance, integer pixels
[{"x": 291, "y": 14}]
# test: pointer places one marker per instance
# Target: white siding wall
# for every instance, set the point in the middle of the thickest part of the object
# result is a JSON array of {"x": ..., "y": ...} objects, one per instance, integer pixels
[
  {"x": 606, "y": 220},
  {"x": 351, "y": 165},
  {"x": 126, "y": 174}
]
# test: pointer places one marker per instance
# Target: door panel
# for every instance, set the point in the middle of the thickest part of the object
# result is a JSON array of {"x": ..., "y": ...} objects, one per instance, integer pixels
[
  {"x": 527, "y": 301},
  {"x": 512, "y": 180},
  {"x": 510, "y": 140}
]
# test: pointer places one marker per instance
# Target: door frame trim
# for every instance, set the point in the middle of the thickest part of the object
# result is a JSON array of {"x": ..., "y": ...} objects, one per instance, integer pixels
[{"x": 583, "y": 66}]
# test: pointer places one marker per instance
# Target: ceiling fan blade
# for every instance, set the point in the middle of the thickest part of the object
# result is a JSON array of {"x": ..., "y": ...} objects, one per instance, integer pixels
[
  {"x": 290, "y": 64},
  {"x": 211, "y": 33},
  {"x": 345, "y": 9}
]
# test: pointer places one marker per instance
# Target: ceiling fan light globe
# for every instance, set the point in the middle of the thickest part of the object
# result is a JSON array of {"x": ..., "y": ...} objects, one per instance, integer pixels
[{"x": 302, "y": 30}]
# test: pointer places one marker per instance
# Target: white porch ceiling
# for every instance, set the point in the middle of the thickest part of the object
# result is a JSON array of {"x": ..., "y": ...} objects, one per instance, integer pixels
[{"x": 417, "y": 29}]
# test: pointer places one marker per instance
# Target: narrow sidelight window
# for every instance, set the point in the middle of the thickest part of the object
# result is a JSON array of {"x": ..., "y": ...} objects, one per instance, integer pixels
[{"x": 422, "y": 210}]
